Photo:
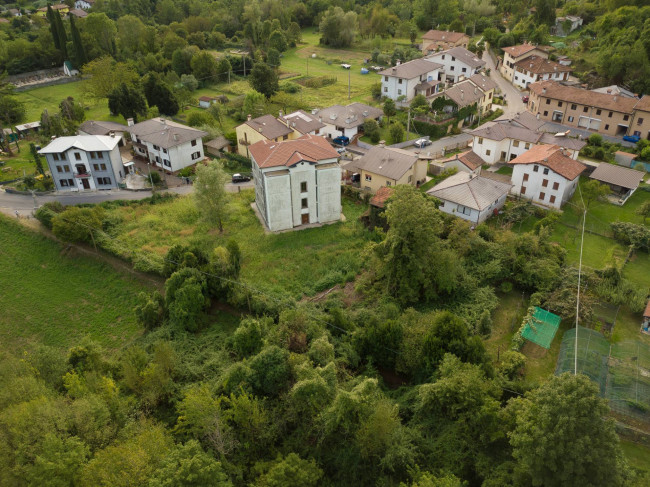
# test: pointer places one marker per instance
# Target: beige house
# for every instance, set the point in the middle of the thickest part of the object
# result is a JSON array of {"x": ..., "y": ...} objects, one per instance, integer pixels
[
  {"x": 266, "y": 127},
  {"x": 488, "y": 87},
  {"x": 640, "y": 124},
  {"x": 600, "y": 112},
  {"x": 387, "y": 166},
  {"x": 513, "y": 54},
  {"x": 439, "y": 40}
]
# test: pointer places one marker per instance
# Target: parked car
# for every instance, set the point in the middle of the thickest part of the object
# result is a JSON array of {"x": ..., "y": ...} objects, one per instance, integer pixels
[
  {"x": 525, "y": 98},
  {"x": 240, "y": 178},
  {"x": 340, "y": 150},
  {"x": 341, "y": 140},
  {"x": 631, "y": 138},
  {"x": 422, "y": 143}
]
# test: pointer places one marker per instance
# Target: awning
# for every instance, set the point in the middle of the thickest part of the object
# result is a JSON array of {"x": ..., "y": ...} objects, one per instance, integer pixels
[{"x": 130, "y": 163}]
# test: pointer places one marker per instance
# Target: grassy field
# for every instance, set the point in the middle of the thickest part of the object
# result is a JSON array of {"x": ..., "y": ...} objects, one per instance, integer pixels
[
  {"x": 294, "y": 262},
  {"x": 19, "y": 165},
  {"x": 55, "y": 297},
  {"x": 637, "y": 455}
]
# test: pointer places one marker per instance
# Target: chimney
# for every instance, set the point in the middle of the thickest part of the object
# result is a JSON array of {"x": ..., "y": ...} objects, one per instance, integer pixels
[
  {"x": 543, "y": 91},
  {"x": 475, "y": 90},
  {"x": 249, "y": 117},
  {"x": 163, "y": 121},
  {"x": 129, "y": 122},
  {"x": 112, "y": 134},
  {"x": 394, "y": 70},
  {"x": 614, "y": 97},
  {"x": 260, "y": 130},
  {"x": 320, "y": 119},
  {"x": 281, "y": 113},
  {"x": 314, "y": 111},
  {"x": 398, "y": 62}
]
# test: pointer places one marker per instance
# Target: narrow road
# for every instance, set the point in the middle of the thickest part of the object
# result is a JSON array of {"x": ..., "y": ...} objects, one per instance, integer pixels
[{"x": 513, "y": 95}]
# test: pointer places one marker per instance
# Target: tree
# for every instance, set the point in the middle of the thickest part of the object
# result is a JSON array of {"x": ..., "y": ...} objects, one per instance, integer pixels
[
  {"x": 78, "y": 224},
  {"x": 264, "y": 79},
  {"x": 78, "y": 47},
  {"x": 210, "y": 193},
  {"x": 58, "y": 462},
  {"x": 158, "y": 93},
  {"x": 37, "y": 159},
  {"x": 273, "y": 58},
  {"x": 254, "y": 104},
  {"x": 105, "y": 75},
  {"x": 644, "y": 210},
  {"x": 593, "y": 190},
  {"x": 188, "y": 465},
  {"x": 182, "y": 60},
  {"x": 291, "y": 471},
  {"x": 127, "y": 101},
  {"x": 419, "y": 105},
  {"x": 371, "y": 129},
  {"x": 103, "y": 32},
  {"x": 278, "y": 41},
  {"x": 338, "y": 28},
  {"x": 397, "y": 132},
  {"x": 561, "y": 424},
  {"x": 204, "y": 67},
  {"x": 223, "y": 69},
  {"x": 150, "y": 309},
  {"x": 545, "y": 13},
  {"x": 390, "y": 110},
  {"x": 189, "y": 82}
]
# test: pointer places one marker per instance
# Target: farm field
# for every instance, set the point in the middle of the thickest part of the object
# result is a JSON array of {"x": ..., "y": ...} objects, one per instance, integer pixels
[{"x": 55, "y": 297}]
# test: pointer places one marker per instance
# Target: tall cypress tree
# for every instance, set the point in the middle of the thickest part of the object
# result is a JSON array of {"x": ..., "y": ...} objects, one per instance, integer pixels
[
  {"x": 53, "y": 27},
  {"x": 63, "y": 38},
  {"x": 79, "y": 49}
]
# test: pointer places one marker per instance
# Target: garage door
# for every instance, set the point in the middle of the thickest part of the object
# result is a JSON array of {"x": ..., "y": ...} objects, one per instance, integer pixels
[{"x": 591, "y": 123}]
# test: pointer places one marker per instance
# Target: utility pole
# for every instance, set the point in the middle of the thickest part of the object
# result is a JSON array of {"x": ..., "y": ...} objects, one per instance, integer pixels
[
  {"x": 349, "y": 69},
  {"x": 408, "y": 125},
  {"x": 244, "y": 65}
]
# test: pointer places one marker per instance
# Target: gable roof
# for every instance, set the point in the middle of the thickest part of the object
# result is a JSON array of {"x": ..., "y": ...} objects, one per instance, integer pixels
[
  {"x": 349, "y": 116},
  {"x": 551, "y": 156},
  {"x": 570, "y": 94},
  {"x": 484, "y": 82},
  {"x": 617, "y": 175},
  {"x": 464, "y": 93},
  {"x": 207, "y": 98},
  {"x": 303, "y": 122},
  {"x": 469, "y": 158},
  {"x": 165, "y": 133},
  {"x": 470, "y": 190},
  {"x": 269, "y": 126},
  {"x": 516, "y": 51},
  {"x": 85, "y": 143},
  {"x": 77, "y": 12},
  {"x": 441, "y": 35},
  {"x": 643, "y": 104},
  {"x": 539, "y": 65},
  {"x": 388, "y": 162},
  {"x": 380, "y": 197},
  {"x": 523, "y": 119},
  {"x": 218, "y": 143},
  {"x": 411, "y": 69},
  {"x": 100, "y": 127},
  {"x": 311, "y": 148},
  {"x": 461, "y": 54}
]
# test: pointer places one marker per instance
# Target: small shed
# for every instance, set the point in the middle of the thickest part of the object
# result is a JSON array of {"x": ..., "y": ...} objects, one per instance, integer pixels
[
  {"x": 624, "y": 158},
  {"x": 645, "y": 325},
  {"x": 622, "y": 181},
  {"x": 25, "y": 128},
  {"x": 68, "y": 70},
  {"x": 216, "y": 146},
  {"x": 206, "y": 101}
]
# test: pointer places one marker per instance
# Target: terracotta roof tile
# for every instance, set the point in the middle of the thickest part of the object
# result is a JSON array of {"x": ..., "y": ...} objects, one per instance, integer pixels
[
  {"x": 470, "y": 158},
  {"x": 312, "y": 148},
  {"x": 551, "y": 156},
  {"x": 516, "y": 51},
  {"x": 540, "y": 65},
  {"x": 570, "y": 94},
  {"x": 269, "y": 126},
  {"x": 380, "y": 197}
]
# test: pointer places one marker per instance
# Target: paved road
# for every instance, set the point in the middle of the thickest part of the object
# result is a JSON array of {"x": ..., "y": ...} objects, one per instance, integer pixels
[
  {"x": 513, "y": 95},
  {"x": 558, "y": 127}
]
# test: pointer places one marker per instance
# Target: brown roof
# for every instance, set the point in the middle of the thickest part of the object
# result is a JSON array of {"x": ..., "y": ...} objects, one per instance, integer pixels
[
  {"x": 303, "y": 122},
  {"x": 470, "y": 158},
  {"x": 557, "y": 91},
  {"x": 618, "y": 175},
  {"x": 551, "y": 156},
  {"x": 165, "y": 133},
  {"x": 349, "y": 116},
  {"x": 441, "y": 35},
  {"x": 207, "y": 98},
  {"x": 516, "y": 51},
  {"x": 540, "y": 65},
  {"x": 99, "y": 127},
  {"x": 470, "y": 190},
  {"x": 388, "y": 162},
  {"x": 79, "y": 13},
  {"x": 411, "y": 69},
  {"x": 643, "y": 104},
  {"x": 311, "y": 148},
  {"x": 380, "y": 197},
  {"x": 269, "y": 126},
  {"x": 218, "y": 143},
  {"x": 464, "y": 93},
  {"x": 484, "y": 82},
  {"x": 461, "y": 54}
]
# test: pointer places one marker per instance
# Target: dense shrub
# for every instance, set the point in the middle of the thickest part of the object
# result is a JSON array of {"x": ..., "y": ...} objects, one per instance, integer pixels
[{"x": 47, "y": 211}]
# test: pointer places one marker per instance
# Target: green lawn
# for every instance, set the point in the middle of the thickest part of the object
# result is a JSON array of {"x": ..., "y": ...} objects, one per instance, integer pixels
[
  {"x": 636, "y": 454},
  {"x": 299, "y": 262},
  {"x": 19, "y": 164},
  {"x": 54, "y": 299}
]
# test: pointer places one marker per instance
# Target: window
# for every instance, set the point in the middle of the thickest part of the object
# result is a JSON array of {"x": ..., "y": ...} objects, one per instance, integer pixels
[
  {"x": 167, "y": 163},
  {"x": 487, "y": 152},
  {"x": 155, "y": 147},
  {"x": 527, "y": 146},
  {"x": 548, "y": 101},
  {"x": 626, "y": 117},
  {"x": 303, "y": 187},
  {"x": 610, "y": 114},
  {"x": 194, "y": 143},
  {"x": 304, "y": 203},
  {"x": 59, "y": 169},
  {"x": 546, "y": 170},
  {"x": 63, "y": 156},
  {"x": 64, "y": 182},
  {"x": 95, "y": 167},
  {"x": 574, "y": 106},
  {"x": 606, "y": 126},
  {"x": 464, "y": 70},
  {"x": 104, "y": 181},
  {"x": 598, "y": 112},
  {"x": 556, "y": 186},
  {"x": 570, "y": 119},
  {"x": 535, "y": 168},
  {"x": 453, "y": 58},
  {"x": 77, "y": 156},
  {"x": 102, "y": 167},
  {"x": 66, "y": 168},
  {"x": 464, "y": 210},
  {"x": 399, "y": 92},
  {"x": 480, "y": 140},
  {"x": 385, "y": 78},
  {"x": 515, "y": 143},
  {"x": 544, "y": 183},
  {"x": 158, "y": 159},
  {"x": 546, "y": 113},
  {"x": 385, "y": 89},
  {"x": 399, "y": 81},
  {"x": 639, "y": 121},
  {"x": 410, "y": 178},
  {"x": 196, "y": 155},
  {"x": 388, "y": 183},
  {"x": 451, "y": 68},
  {"x": 285, "y": 137},
  {"x": 55, "y": 157},
  {"x": 92, "y": 155},
  {"x": 164, "y": 151},
  {"x": 559, "y": 103},
  {"x": 551, "y": 199},
  {"x": 525, "y": 177},
  {"x": 368, "y": 177},
  {"x": 542, "y": 196}
]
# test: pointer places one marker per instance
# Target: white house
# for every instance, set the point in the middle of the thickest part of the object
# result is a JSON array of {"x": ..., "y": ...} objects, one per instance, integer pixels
[
  {"x": 302, "y": 122},
  {"x": 507, "y": 138},
  {"x": 404, "y": 81},
  {"x": 15, "y": 12},
  {"x": 469, "y": 196},
  {"x": 457, "y": 63},
  {"x": 166, "y": 144},
  {"x": 346, "y": 120},
  {"x": 545, "y": 175},
  {"x": 537, "y": 68},
  {"x": 514, "y": 54},
  {"x": 84, "y": 162},
  {"x": 206, "y": 101},
  {"x": 84, "y": 4},
  {"x": 297, "y": 182}
]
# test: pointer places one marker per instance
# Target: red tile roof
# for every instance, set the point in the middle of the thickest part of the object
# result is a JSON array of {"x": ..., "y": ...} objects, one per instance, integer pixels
[
  {"x": 516, "y": 51},
  {"x": 646, "y": 313},
  {"x": 540, "y": 65},
  {"x": 312, "y": 148},
  {"x": 470, "y": 158},
  {"x": 380, "y": 197},
  {"x": 551, "y": 156}
]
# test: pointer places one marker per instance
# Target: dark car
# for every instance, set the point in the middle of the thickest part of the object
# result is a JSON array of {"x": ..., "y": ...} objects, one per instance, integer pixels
[
  {"x": 631, "y": 138},
  {"x": 341, "y": 140},
  {"x": 240, "y": 178},
  {"x": 525, "y": 98}
]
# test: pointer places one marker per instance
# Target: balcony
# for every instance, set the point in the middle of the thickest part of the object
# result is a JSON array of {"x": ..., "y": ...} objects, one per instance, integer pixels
[{"x": 81, "y": 175}]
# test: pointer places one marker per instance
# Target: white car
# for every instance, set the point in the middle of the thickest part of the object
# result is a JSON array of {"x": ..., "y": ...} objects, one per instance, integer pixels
[{"x": 422, "y": 143}]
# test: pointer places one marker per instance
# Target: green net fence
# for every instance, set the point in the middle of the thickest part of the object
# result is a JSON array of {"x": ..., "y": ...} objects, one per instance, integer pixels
[
  {"x": 542, "y": 328},
  {"x": 621, "y": 370}
]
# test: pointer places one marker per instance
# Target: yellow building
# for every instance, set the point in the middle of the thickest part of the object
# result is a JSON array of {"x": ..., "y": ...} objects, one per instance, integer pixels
[
  {"x": 61, "y": 7},
  {"x": 266, "y": 127},
  {"x": 387, "y": 166}
]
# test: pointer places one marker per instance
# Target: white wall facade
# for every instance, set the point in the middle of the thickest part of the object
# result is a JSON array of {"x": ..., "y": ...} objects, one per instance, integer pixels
[
  {"x": 176, "y": 158},
  {"x": 522, "y": 79},
  {"x": 541, "y": 188},
  {"x": 81, "y": 4},
  {"x": 332, "y": 131},
  {"x": 395, "y": 87},
  {"x": 453, "y": 68},
  {"x": 493, "y": 151},
  {"x": 471, "y": 214},
  {"x": 101, "y": 169}
]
